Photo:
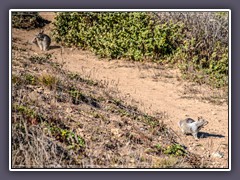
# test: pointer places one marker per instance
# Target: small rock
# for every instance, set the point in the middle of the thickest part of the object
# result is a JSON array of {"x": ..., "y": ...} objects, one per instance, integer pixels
[{"x": 217, "y": 155}]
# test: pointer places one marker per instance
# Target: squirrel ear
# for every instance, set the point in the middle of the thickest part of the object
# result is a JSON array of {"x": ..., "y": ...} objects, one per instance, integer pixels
[{"x": 41, "y": 31}]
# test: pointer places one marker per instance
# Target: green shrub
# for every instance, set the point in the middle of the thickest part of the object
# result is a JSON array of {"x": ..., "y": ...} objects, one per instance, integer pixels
[
  {"x": 210, "y": 68},
  {"x": 67, "y": 136},
  {"x": 175, "y": 150},
  {"x": 130, "y": 35}
]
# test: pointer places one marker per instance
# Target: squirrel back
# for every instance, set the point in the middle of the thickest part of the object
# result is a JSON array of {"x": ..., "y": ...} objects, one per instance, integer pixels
[{"x": 189, "y": 126}]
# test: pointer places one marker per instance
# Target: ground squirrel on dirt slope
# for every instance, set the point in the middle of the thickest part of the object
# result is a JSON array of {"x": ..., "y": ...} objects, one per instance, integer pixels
[
  {"x": 189, "y": 126},
  {"x": 42, "y": 40}
]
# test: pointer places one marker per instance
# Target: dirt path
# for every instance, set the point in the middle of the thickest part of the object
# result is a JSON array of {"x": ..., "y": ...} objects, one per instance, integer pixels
[{"x": 155, "y": 90}]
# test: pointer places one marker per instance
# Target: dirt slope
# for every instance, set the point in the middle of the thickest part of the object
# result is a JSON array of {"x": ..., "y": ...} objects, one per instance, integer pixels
[{"x": 154, "y": 89}]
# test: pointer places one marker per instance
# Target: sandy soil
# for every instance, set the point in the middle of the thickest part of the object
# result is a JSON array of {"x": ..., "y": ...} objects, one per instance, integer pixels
[{"x": 156, "y": 90}]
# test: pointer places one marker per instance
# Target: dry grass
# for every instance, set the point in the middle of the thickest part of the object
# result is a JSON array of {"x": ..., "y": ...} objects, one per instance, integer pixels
[{"x": 205, "y": 93}]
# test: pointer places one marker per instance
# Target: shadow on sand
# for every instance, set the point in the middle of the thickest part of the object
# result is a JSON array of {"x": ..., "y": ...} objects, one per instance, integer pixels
[
  {"x": 206, "y": 135},
  {"x": 54, "y": 47}
]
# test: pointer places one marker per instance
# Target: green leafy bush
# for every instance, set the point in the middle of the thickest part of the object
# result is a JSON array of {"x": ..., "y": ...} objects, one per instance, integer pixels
[
  {"x": 175, "y": 150},
  {"x": 130, "y": 35}
]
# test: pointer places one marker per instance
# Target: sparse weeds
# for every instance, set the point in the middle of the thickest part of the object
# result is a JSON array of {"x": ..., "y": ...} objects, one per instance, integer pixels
[
  {"x": 36, "y": 59},
  {"x": 72, "y": 140},
  {"x": 30, "y": 79},
  {"x": 16, "y": 80},
  {"x": 123, "y": 113},
  {"x": 158, "y": 147},
  {"x": 117, "y": 102},
  {"x": 33, "y": 144},
  {"x": 15, "y": 47},
  {"x": 30, "y": 115},
  {"x": 77, "y": 77},
  {"x": 26, "y": 111},
  {"x": 215, "y": 99},
  {"x": 77, "y": 97},
  {"x": 206, "y": 94},
  {"x": 175, "y": 150},
  {"x": 132, "y": 112},
  {"x": 98, "y": 115},
  {"x": 152, "y": 121},
  {"x": 48, "y": 80},
  {"x": 32, "y": 148}
]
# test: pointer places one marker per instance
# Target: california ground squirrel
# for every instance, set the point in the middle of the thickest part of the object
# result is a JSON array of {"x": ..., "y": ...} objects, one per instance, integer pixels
[
  {"x": 189, "y": 126},
  {"x": 42, "y": 40}
]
